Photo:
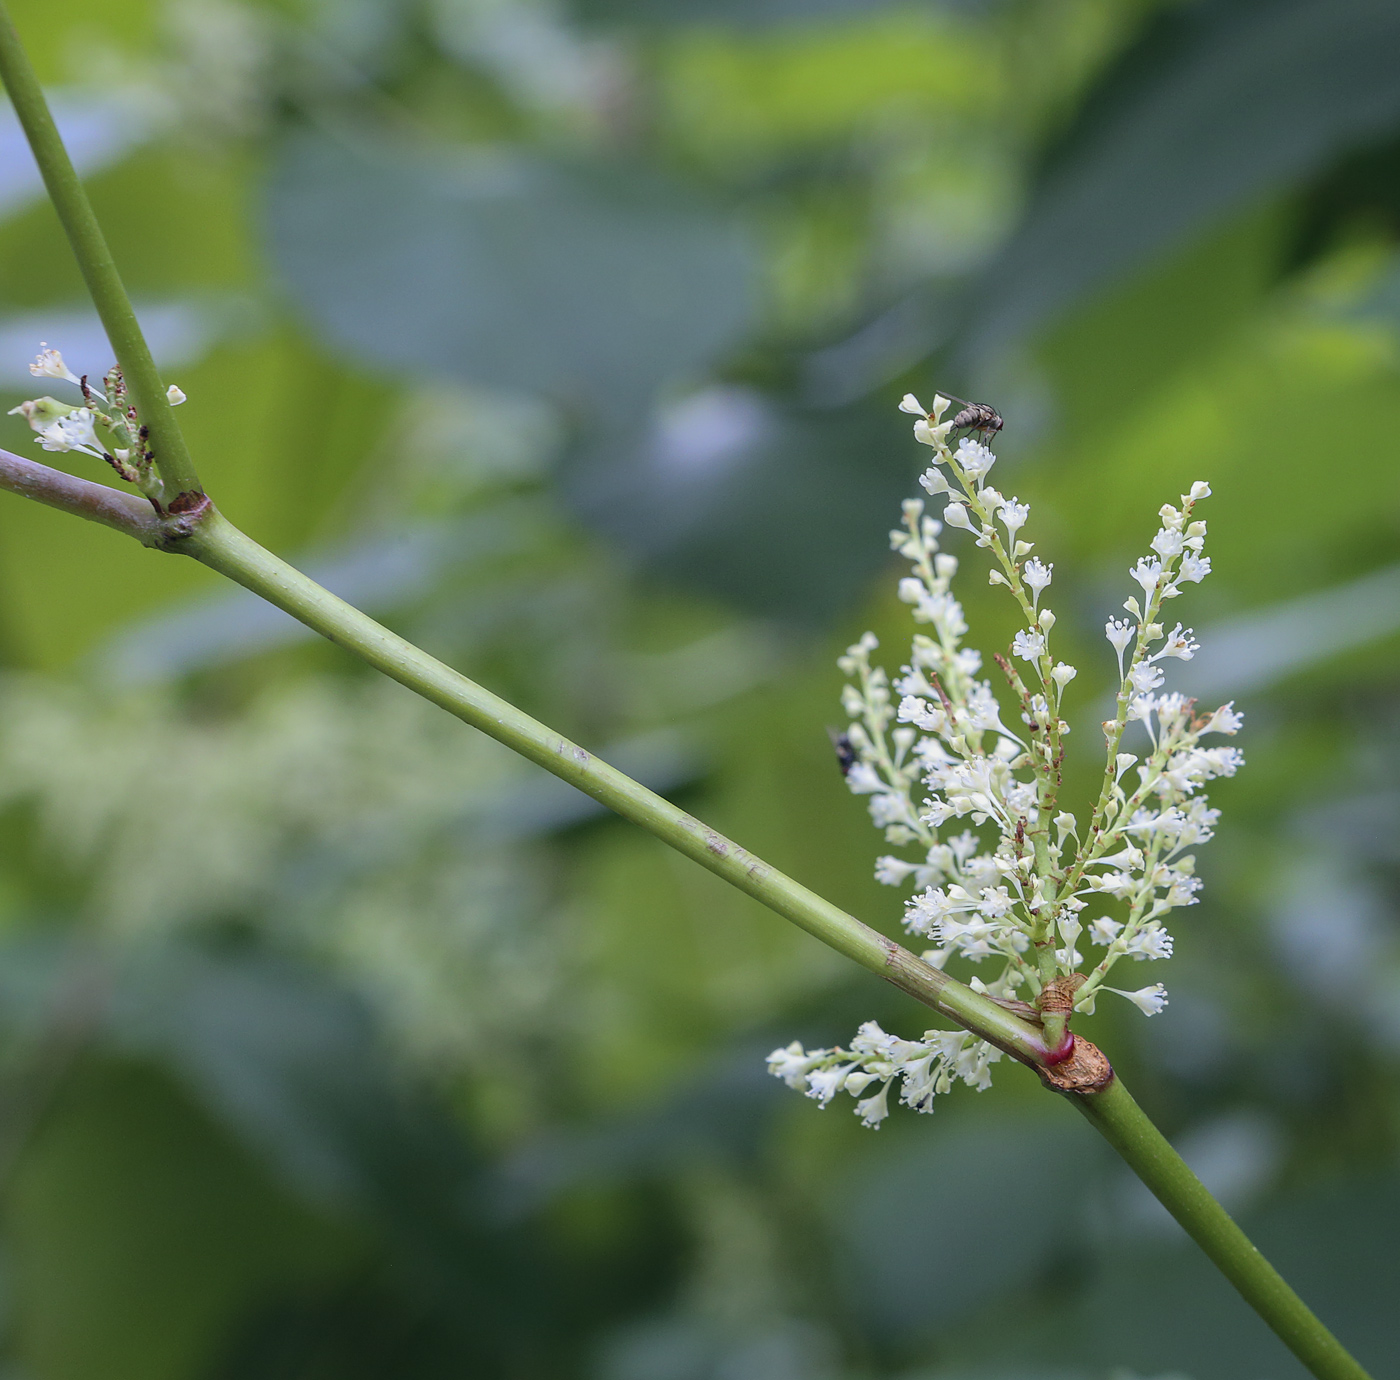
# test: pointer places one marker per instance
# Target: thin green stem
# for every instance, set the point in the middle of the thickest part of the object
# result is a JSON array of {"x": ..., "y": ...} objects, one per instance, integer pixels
[
  {"x": 1131, "y": 1132},
  {"x": 220, "y": 545},
  {"x": 183, "y": 490}
]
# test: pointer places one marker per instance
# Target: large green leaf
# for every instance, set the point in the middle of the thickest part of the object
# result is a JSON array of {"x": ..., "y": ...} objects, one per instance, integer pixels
[
  {"x": 1217, "y": 106},
  {"x": 592, "y": 282}
]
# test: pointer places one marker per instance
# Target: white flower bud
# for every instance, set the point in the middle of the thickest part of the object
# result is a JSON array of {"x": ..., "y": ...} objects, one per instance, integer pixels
[
  {"x": 49, "y": 365},
  {"x": 1148, "y": 1000}
]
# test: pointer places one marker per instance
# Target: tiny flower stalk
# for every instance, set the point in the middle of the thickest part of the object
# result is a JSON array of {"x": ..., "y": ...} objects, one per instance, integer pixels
[{"x": 106, "y": 426}]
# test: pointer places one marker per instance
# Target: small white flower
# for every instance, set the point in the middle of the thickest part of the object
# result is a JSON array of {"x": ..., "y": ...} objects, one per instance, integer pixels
[
  {"x": 1180, "y": 644},
  {"x": 1063, "y": 673},
  {"x": 1150, "y": 942},
  {"x": 1013, "y": 514},
  {"x": 1226, "y": 719},
  {"x": 955, "y": 515},
  {"x": 49, "y": 365},
  {"x": 974, "y": 458},
  {"x": 930, "y": 434},
  {"x": 73, "y": 432},
  {"x": 824, "y": 1084},
  {"x": 1037, "y": 575},
  {"x": 1028, "y": 644},
  {"x": 792, "y": 1063},
  {"x": 875, "y": 1108},
  {"x": 174, "y": 395},
  {"x": 1193, "y": 568},
  {"x": 1119, "y": 633},
  {"x": 862, "y": 779},
  {"x": 1148, "y": 1000},
  {"x": 934, "y": 482},
  {"x": 1147, "y": 572},
  {"x": 910, "y": 404},
  {"x": 1145, "y": 678},
  {"x": 1199, "y": 490},
  {"x": 892, "y": 871},
  {"x": 1168, "y": 543},
  {"x": 1104, "y": 931}
]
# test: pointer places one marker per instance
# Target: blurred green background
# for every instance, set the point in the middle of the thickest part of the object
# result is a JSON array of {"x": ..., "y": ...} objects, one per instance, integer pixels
[{"x": 566, "y": 336}]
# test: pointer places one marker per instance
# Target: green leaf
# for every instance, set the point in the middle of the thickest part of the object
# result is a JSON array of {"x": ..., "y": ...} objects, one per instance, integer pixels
[
  {"x": 945, "y": 1222},
  {"x": 593, "y": 283},
  {"x": 1217, "y": 106}
]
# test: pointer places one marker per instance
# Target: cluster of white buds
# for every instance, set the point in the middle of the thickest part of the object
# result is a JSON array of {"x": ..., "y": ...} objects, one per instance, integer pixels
[
  {"x": 1013, "y": 888},
  {"x": 104, "y": 425},
  {"x": 925, "y": 1067}
]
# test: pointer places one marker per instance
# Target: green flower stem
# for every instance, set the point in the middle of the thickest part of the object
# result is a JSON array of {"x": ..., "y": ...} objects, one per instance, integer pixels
[
  {"x": 1130, "y": 1131},
  {"x": 220, "y": 545},
  {"x": 183, "y": 491},
  {"x": 194, "y": 527}
]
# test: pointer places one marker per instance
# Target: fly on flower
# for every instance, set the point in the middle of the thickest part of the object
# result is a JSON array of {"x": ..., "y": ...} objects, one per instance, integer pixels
[
  {"x": 845, "y": 751},
  {"x": 973, "y": 416}
]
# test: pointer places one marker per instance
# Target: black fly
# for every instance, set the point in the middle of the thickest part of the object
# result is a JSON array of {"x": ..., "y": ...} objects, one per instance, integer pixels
[
  {"x": 845, "y": 753},
  {"x": 975, "y": 417}
]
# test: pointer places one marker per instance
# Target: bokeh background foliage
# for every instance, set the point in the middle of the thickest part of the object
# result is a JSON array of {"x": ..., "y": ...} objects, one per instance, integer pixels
[{"x": 566, "y": 337}]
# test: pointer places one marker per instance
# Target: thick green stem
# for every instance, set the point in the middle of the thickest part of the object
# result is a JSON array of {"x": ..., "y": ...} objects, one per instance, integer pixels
[
  {"x": 182, "y": 487},
  {"x": 1130, "y": 1131},
  {"x": 221, "y": 546}
]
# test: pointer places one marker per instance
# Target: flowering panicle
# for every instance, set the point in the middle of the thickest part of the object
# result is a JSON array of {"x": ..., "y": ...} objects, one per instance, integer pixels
[
  {"x": 924, "y": 1067},
  {"x": 933, "y": 754},
  {"x": 105, "y": 426}
]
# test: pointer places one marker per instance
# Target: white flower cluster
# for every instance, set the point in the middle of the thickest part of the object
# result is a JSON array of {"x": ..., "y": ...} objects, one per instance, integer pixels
[
  {"x": 925, "y": 1067},
  {"x": 61, "y": 427},
  {"x": 1013, "y": 887}
]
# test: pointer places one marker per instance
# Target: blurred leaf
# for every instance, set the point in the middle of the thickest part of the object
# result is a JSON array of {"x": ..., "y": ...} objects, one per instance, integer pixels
[
  {"x": 1217, "y": 105},
  {"x": 1333, "y": 1245},
  {"x": 780, "y": 513},
  {"x": 377, "y": 575},
  {"x": 179, "y": 332},
  {"x": 292, "y": 1067},
  {"x": 720, "y": 1112},
  {"x": 98, "y": 129},
  {"x": 1266, "y": 645},
  {"x": 957, "y": 1215},
  {"x": 595, "y": 283},
  {"x": 744, "y": 13},
  {"x": 131, "y": 1206}
]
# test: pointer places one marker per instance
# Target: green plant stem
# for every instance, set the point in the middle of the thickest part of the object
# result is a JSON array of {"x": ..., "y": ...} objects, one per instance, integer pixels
[
  {"x": 1131, "y": 1132},
  {"x": 220, "y": 545},
  {"x": 197, "y": 529},
  {"x": 182, "y": 487}
]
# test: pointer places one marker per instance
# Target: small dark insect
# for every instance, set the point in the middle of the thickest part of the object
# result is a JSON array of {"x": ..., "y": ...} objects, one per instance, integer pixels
[
  {"x": 845, "y": 753},
  {"x": 975, "y": 417}
]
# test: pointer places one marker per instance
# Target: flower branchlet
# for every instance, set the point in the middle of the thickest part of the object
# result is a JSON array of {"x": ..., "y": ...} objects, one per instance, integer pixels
[
  {"x": 933, "y": 755},
  {"x": 104, "y": 425}
]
